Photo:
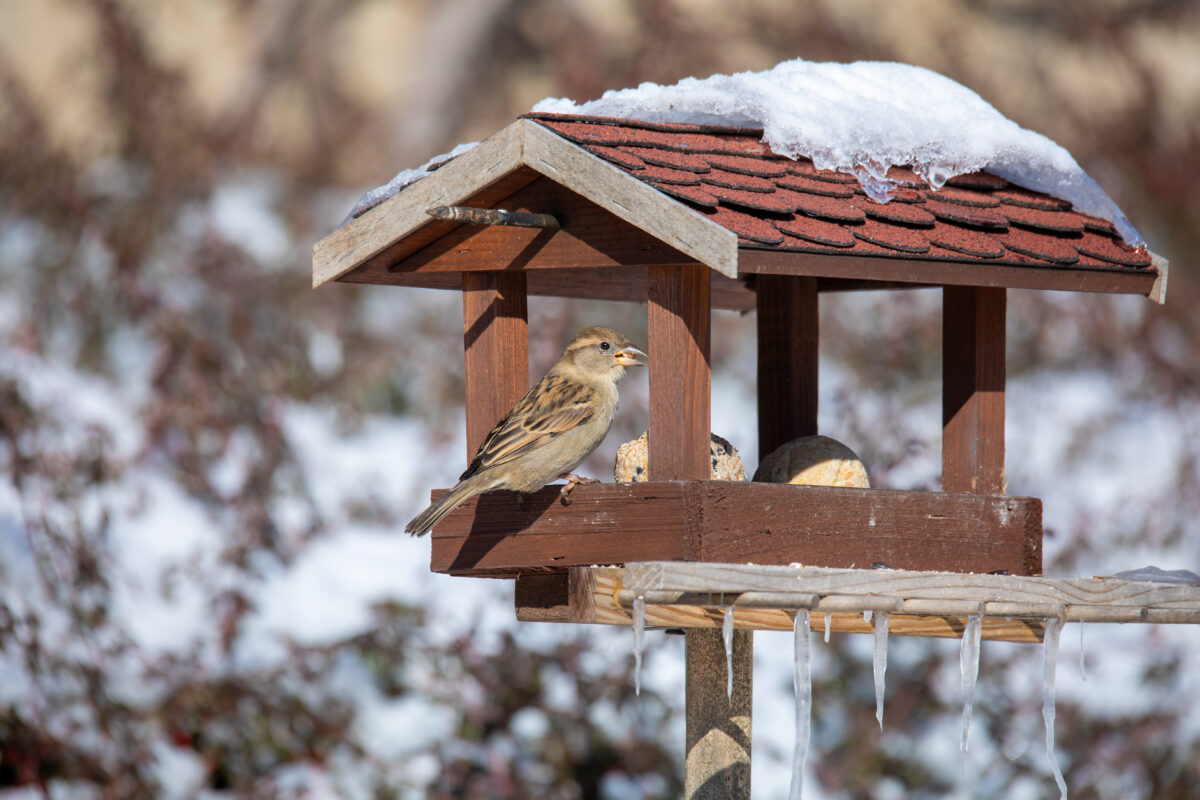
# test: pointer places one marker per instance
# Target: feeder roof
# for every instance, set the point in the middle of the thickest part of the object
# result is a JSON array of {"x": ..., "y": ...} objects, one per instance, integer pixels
[{"x": 722, "y": 197}]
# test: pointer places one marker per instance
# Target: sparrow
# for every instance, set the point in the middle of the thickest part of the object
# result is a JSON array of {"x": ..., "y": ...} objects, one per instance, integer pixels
[{"x": 552, "y": 429}]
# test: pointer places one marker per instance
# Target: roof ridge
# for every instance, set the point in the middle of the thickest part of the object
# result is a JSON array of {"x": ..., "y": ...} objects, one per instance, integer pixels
[{"x": 665, "y": 127}]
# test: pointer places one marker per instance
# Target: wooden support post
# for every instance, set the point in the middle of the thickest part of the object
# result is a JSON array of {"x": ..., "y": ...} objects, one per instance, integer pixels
[
  {"x": 680, "y": 376},
  {"x": 718, "y": 727},
  {"x": 787, "y": 359},
  {"x": 496, "y": 340},
  {"x": 718, "y": 732},
  {"x": 973, "y": 389}
]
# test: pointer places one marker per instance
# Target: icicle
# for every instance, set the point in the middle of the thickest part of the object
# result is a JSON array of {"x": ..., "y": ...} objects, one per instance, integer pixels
[
  {"x": 1082, "y": 663},
  {"x": 968, "y": 662},
  {"x": 1049, "y": 662},
  {"x": 727, "y": 635},
  {"x": 828, "y": 623},
  {"x": 867, "y": 615},
  {"x": 803, "y": 688},
  {"x": 881, "y": 640},
  {"x": 639, "y": 635}
]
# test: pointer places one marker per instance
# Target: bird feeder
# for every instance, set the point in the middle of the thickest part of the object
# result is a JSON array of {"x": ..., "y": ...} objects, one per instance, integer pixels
[{"x": 689, "y": 219}]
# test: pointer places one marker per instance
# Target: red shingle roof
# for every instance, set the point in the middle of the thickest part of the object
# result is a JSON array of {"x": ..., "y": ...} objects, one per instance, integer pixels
[{"x": 774, "y": 202}]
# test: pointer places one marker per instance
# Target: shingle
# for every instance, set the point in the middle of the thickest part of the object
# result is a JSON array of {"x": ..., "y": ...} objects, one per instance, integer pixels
[
  {"x": 1023, "y": 197},
  {"x": 734, "y": 180},
  {"x": 692, "y": 194},
  {"x": 893, "y": 237},
  {"x": 1112, "y": 251},
  {"x": 817, "y": 231},
  {"x": 745, "y": 165},
  {"x": 1054, "y": 249},
  {"x": 746, "y": 226},
  {"x": 966, "y": 241},
  {"x": 668, "y": 158},
  {"x": 965, "y": 197},
  {"x": 620, "y": 156},
  {"x": 895, "y": 212},
  {"x": 776, "y": 202},
  {"x": 1043, "y": 219},
  {"x": 802, "y": 183},
  {"x": 805, "y": 168},
  {"x": 680, "y": 177},
  {"x": 903, "y": 176},
  {"x": 967, "y": 215},
  {"x": 829, "y": 208},
  {"x": 978, "y": 180}
]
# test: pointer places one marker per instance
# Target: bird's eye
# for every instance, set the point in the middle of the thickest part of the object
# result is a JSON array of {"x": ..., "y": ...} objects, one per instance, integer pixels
[{"x": 605, "y": 346}]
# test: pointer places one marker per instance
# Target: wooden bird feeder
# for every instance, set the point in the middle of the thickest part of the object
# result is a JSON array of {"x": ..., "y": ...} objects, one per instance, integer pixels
[{"x": 689, "y": 219}]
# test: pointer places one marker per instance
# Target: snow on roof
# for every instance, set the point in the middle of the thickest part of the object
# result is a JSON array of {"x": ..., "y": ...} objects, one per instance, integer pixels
[{"x": 863, "y": 118}]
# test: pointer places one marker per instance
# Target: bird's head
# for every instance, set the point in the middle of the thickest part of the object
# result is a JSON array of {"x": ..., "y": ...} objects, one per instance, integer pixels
[{"x": 604, "y": 352}]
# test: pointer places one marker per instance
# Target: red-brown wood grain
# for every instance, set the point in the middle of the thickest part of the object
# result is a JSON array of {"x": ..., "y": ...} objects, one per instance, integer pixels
[
  {"x": 501, "y": 534},
  {"x": 496, "y": 342},
  {"x": 680, "y": 311},
  {"x": 787, "y": 359},
  {"x": 973, "y": 361}
]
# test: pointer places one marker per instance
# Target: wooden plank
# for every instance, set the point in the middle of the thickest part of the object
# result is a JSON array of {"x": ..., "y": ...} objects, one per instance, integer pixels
[
  {"x": 626, "y": 284},
  {"x": 985, "y": 588},
  {"x": 680, "y": 372},
  {"x": 841, "y": 527},
  {"x": 1118, "y": 280},
  {"x": 788, "y": 332},
  {"x": 630, "y": 199},
  {"x": 594, "y": 591},
  {"x": 501, "y": 534},
  {"x": 496, "y": 342},
  {"x": 973, "y": 361}
]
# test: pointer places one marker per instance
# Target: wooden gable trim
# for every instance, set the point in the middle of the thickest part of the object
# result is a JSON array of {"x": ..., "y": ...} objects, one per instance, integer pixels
[{"x": 527, "y": 147}]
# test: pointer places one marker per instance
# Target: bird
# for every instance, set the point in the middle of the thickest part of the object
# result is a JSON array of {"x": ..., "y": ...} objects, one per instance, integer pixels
[{"x": 552, "y": 429}]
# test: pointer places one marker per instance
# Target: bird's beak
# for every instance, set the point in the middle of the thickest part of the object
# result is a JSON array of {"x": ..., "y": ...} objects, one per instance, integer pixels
[{"x": 631, "y": 356}]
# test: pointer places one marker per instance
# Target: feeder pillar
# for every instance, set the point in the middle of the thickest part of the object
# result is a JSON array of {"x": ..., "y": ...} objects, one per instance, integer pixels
[
  {"x": 718, "y": 728},
  {"x": 973, "y": 389},
  {"x": 496, "y": 342}
]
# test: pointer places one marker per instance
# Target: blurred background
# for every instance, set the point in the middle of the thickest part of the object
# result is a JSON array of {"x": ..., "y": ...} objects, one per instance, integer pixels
[{"x": 204, "y": 587}]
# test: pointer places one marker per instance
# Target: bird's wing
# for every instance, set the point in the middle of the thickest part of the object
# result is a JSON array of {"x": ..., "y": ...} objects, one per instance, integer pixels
[{"x": 552, "y": 407}]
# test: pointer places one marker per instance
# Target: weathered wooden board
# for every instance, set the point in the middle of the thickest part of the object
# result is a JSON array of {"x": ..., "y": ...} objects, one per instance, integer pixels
[
  {"x": 591, "y": 595},
  {"x": 501, "y": 534},
  {"x": 1005, "y": 593}
]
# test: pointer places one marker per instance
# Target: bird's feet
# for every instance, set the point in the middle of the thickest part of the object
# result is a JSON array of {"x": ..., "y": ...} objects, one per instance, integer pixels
[{"x": 573, "y": 480}]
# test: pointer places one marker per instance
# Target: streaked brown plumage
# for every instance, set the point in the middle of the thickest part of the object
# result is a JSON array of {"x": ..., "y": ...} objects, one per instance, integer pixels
[{"x": 552, "y": 429}]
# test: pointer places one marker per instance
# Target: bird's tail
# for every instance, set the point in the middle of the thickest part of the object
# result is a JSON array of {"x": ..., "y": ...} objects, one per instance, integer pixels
[{"x": 422, "y": 523}]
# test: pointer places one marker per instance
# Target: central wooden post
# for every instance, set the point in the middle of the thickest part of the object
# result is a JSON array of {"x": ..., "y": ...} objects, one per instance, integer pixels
[
  {"x": 787, "y": 359},
  {"x": 680, "y": 375},
  {"x": 496, "y": 341},
  {"x": 718, "y": 729},
  {"x": 973, "y": 389}
]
